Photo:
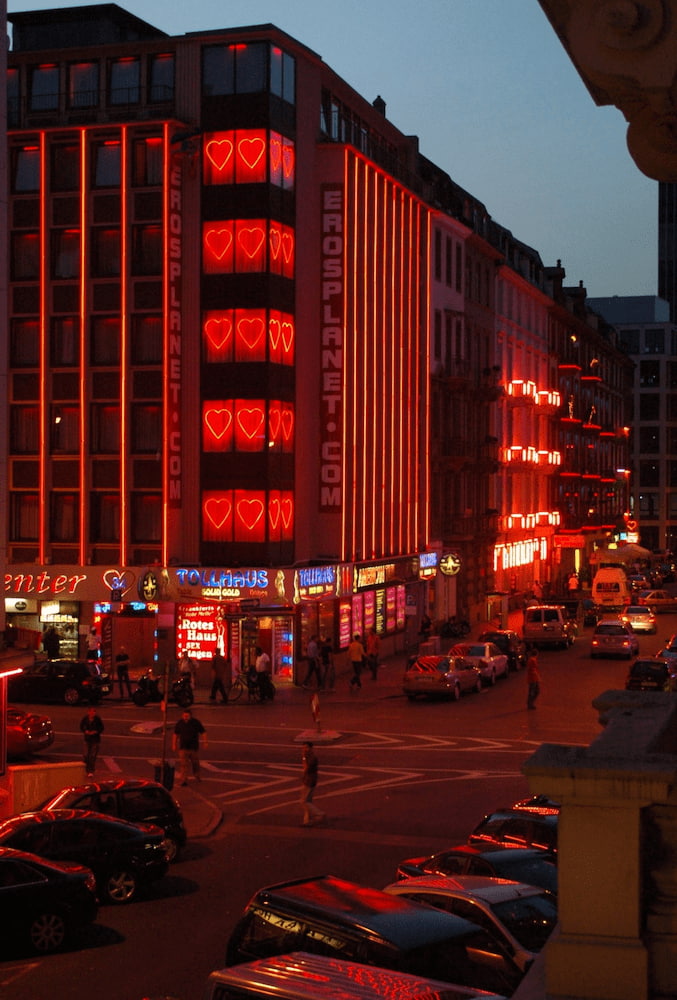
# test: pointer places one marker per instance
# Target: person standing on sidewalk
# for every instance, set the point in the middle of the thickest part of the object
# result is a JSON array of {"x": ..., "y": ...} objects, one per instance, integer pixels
[
  {"x": 373, "y": 649},
  {"x": 311, "y": 814},
  {"x": 186, "y": 740},
  {"x": 122, "y": 667},
  {"x": 357, "y": 655},
  {"x": 219, "y": 668},
  {"x": 533, "y": 677},
  {"x": 91, "y": 727}
]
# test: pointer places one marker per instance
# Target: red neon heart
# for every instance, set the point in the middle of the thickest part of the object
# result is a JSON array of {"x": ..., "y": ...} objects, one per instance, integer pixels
[
  {"x": 274, "y": 418},
  {"x": 219, "y": 332},
  {"x": 274, "y": 331},
  {"x": 288, "y": 160},
  {"x": 273, "y": 512},
  {"x": 275, "y": 153},
  {"x": 250, "y": 331},
  {"x": 251, "y": 151},
  {"x": 287, "y": 511},
  {"x": 287, "y": 246},
  {"x": 275, "y": 240},
  {"x": 287, "y": 418},
  {"x": 250, "y": 420},
  {"x": 287, "y": 336},
  {"x": 218, "y": 511},
  {"x": 218, "y": 242},
  {"x": 218, "y": 421},
  {"x": 251, "y": 240},
  {"x": 250, "y": 512},
  {"x": 118, "y": 579},
  {"x": 219, "y": 151}
]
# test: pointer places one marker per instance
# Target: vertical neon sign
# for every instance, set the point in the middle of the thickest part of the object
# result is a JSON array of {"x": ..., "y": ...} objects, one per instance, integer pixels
[
  {"x": 173, "y": 335},
  {"x": 332, "y": 350}
]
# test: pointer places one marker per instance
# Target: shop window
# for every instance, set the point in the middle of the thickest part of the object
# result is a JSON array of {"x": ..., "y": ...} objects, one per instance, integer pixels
[
  {"x": 105, "y": 429},
  {"x": 65, "y": 167},
  {"x": 24, "y": 434},
  {"x": 148, "y": 162},
  {"x": 146, "y": 340},
  {"x": 65, "y": 430},
  {"x": 161, "y": 78},
  {"x": 146, "y": 517},
  {"x": 26, "y": 170},
  {"x": 24, "y": 517},
  {"x": 104, "y": 517},
  {"x": 66, "y": 253},
  {"x": 83, "y": 85},
  {"x": 106, "y": 164},
  {"x": 24, "y": 343},
  {"x": 65, "y": 344},
  {"x": 147, "y": 250},
  {"x": 25, "y": 262},
  {"x": 146, "y": 429},
  {"x": 125, "y": 81},
  {"x": 105, "y": 341},
  {"x": 44, "y": 88},
  {"x": 64, "y": 517}
]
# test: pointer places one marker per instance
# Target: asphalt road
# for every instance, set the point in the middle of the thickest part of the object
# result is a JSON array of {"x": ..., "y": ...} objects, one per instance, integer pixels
[{"x": 400, "y": 779}]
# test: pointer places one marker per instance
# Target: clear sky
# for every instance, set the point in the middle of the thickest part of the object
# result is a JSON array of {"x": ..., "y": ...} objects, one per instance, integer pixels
[{"x": 495, "y": 102}]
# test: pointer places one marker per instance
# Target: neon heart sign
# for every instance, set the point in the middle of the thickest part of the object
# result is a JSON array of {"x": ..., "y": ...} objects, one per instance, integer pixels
[
  {"x": 250, "y": 151},
  {"x": 218, "y": 510},
  {"x": 218, "y": 420},
  {"x": 218, "y": 242},
  {"x": 218, "y": 331},
  {"x": 219, "y": 152},
  {"x": 249, "y": 513},
  {"x": 119, "y": 579}
]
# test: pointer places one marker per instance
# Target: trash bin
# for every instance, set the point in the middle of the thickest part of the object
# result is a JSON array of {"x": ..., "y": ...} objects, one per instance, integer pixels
[{"x": 164, "y": 774}]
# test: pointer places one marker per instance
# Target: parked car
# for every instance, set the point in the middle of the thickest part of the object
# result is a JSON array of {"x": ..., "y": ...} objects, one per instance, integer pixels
[
  {"x": 652, "y": 674},
  {"x": 614, "y": 637},
  {"x": 441, "y": 677},
  {"x": 522, "y": 917},
  {"x": 518, "y": 828},
  {"x": 510, "y": 643},
  {"x": 519, "y": 864},
  {"x": 137, "y": 800},
  {"x": 660, "y": 600},
  {"x": 338, "y": 918},
  {"x": 538, "y": 804},
  {"x": 43, "y": 903},
  {"x": 27, "y": 733},
  {"x": 638, "y": 581},
  {"x": 69, "y": 681},
  {"x": 640, "y": 618},
  {"x": 669, "y": 650},
  {"x": 487, "y": 657},
  {"x": 122, "y": 855}
]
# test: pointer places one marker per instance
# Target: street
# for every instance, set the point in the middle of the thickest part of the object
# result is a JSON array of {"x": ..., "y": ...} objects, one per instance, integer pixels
[{"x": 400, "y": 779}]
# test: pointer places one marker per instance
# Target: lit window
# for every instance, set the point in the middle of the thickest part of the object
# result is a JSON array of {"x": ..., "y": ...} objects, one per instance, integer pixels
[{"x": 65, "y": 430}]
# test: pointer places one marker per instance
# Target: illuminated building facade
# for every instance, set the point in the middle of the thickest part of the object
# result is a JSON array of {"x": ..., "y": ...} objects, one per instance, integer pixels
[{"x": 218, "y": 381}]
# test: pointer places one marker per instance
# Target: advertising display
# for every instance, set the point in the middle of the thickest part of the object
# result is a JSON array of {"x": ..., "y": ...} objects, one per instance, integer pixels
[
  {"x": 345, "y": 621},
  {"x": 199, "y": 628}
]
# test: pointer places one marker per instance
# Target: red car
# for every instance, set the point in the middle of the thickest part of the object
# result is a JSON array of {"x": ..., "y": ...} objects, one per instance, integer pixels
[{"x": 27, "y": 733}]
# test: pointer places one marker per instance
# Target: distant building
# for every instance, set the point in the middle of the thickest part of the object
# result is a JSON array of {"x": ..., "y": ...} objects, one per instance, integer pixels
[{"x": 667, "y": 245}]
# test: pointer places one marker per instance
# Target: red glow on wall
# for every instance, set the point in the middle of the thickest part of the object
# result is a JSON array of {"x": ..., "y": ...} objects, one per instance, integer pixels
[{"x": 217, "y": 425}]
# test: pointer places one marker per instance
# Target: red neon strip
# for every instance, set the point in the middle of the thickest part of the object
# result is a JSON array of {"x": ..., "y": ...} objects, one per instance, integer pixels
[
  {"x": 124, "y": 337},
  {"x": 44, "y": 340}
]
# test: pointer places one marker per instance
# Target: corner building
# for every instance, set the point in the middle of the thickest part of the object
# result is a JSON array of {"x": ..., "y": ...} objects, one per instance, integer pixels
[{"x": 217, "y": 343}]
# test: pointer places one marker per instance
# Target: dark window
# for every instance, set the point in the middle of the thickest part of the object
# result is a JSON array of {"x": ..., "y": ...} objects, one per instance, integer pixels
[
  {"x": 236, "y": 69},
  {"x": 672, "y": 374},
  {"x": 83, "y": 85},
  {"x": 26, "y": 169},
  {"x": 654, "y": 341},
  {"x": 161, "y": 78},
  {"x": 64, "y": 517},
  {"x": 649, "y": 406},
  {"x": 106, "y": 157},
  {"x": 146, "y": 428},
  {"x": 438, "y": 255},
  {"x": 25, "y": 343},
  {"x": 105, "y": 255},
  {"x": 125, "y": 81},
  {"x": 25, "y": 264},
  {"x": 649, "y": 374},
  {"x": 649, "y": 440},
  {"x": 146, "y": 346},
  {"x": 147, "y": 170},
  {"x": 65, "y": 430},
  {"x": 44, "y": 88},
  {"x": 105, "y": 430},
  {"x": 649, "y": 474},
  {"x": 146, "y": 517},
  {"x": 65, "y": 342},
  {"x": 672, "y": 441},
  {"x": 105, "y": 345},
  {"x": 66, "y": 253},
  {"x": 147, "y": 250},
  {"x": 448, "y": 262},
  {"x": 24, "y": 517},
  {"x": 282, "y": 75},
  {"x": 105, "y": 517},
  {"x": 65, "y": 167},
  {"x": 24, "y": 430},
  {"x": 629, "y": 341}
]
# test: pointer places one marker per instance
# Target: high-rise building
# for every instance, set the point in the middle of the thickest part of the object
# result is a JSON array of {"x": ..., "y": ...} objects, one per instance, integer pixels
[{"x": 667, "y": 245}]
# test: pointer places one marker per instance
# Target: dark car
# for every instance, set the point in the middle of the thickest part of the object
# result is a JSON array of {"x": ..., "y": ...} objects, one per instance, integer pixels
[
  {"x": 27, "y": 733},
  {"x": 519, "y": 864},
  {"x": 122, "y": 855},
  {"x": 517, "y": 828},
  {"x": 136, "y": 800},
  {"x": 69, "y": 681},
  {"x": 43, "y": 903},
  {"x": 510, "y": 643},
  {"x": 652, "y": 674}
]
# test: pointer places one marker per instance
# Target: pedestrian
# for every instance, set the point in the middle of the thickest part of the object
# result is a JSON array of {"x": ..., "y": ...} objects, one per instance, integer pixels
[
  {"x": 93, "y": 644},
  {"x": 537, "y": 591},
  {"x": 219, "y": 668},
  {"x": 51, "y": 643},
  {"x": 91, "y": 727},
  {"x": 356, "y": 655},
  {"x": 533, "y": 677},
  {"x": 373, "y": 649},
  {"x": 572, "y": 583},
  {"x": 262, "y": 665},
  {"x": 187, "y": 667},
  {"x": 186, "y": 740},
  {"x": 311, "y": 814},
  {"x": 122, "y": 667},
  {"x": 327, "y": 664},
  {"x": 313, "y": 658}
]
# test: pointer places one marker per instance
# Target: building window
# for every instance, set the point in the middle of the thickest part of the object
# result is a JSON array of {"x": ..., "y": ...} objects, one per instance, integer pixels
[
  {"x": 672, "y": 373},
  {"x": 282, "y": 75},
  {"x": 146, "y": 345},
  {"x": 146, "y": 429},
  {"x": 649, "y": 440},
  {"x": 105, "y": 429},
  {"x": 25, "y": 343},
  {"x": 64, "y": 517},
  {"x": 672, "y": 473},
  {"x": 448, "y": 262},
  {"x": 65, "y": 346},
  {"x": 105, "y": 258},
  {"x": 438, "y": 255},
  {"x": 83, "y": 85},
  {"x": 13, "y": 97},
  {"x": 147, "y": 250},
  {"x": 161, "y": 78},
  {"x": 672, "y": 441},
  {"x": 648, "y": 504},
  {"x": 65, "y": 430},
  {"x": 125, "y": 81},
  {"x": 24, "y": 517},
  {"x": 26, "y": 170},
  {"x": 146, "y": 517},
  {"x": 237, "y": 69},
  {"x": 649, "y": 374},
  {"x": 671, "y": 404},
  {"x": 105, "y": 342},
  {"x": 25, "y": 264},
  {"x": 24, "y": 430},
  {"x": 629, "y": 341},
  {"x": 65, "y": 167},
  {"x": 105, "y": 517},
  {"x": 672, "y": 505},
  {"x": 654, "y": 341},
  {"x": 106, "y": 157},
  {"x": 649, "y": 473},
  {"x": 248, "y": 246},
  {"x": 44, "y": 87},
  {"x": 649, "y": 406},
  {"x": 148, "y": 162},
  {"x": 66, "y": 253},
  {"x": 249, "y": 156}
]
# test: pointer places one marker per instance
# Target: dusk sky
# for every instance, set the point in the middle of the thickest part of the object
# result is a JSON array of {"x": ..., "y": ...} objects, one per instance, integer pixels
[{"x": 495, "y": 102}]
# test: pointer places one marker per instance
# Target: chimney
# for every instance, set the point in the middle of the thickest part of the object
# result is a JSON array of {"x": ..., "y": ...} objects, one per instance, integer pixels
[{"x": 380, "y": 105}]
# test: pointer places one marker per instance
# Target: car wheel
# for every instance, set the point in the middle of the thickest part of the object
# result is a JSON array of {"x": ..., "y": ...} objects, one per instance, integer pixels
[
  {"x": 456, "y": 692},
  {"x": 71, "y": 696},
  {"x": 171, "y": 848},
  {"x": 120, "y": 886},
  {"x": 478, "y": 685},
  {"x": 492, "y": 679},
  {"x": 47, "y": 932}
]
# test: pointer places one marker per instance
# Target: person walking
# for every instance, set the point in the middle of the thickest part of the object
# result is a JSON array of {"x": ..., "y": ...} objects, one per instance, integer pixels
[
  {"x": 373, "y": 649},
  {"x": 311, "y": 814},
  {"x": 327, "y": 664},
  {"x": 219, "y": 667},
  {"x": 187, "y": 667},
  {"x": 91, "y": 727},
  {"x": 356, "y": 655},
  {"x": 533, "y": 677},
  {"x": 313, "y": 658},
  {"x": 93, "y": 644},
  {"x": 186, "y": 740},
  {"x": 122, "y": 668}
]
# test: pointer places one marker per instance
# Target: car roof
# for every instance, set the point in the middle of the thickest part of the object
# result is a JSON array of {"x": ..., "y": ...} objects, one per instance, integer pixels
[
  {"x": 110, "y": 785},
  {"x": 350, "y": 904},
  {"x": 548, "y": 818},
  {"x": 63, "y": 815},
  {"x": 490, "y": 890},
  {"x": 493, "y": 852}
]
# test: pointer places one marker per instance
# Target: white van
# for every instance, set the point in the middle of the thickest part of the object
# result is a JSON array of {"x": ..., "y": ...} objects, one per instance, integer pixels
[
  {"x": 548, "y": 625},
  {"x": 610, "y": 588}
]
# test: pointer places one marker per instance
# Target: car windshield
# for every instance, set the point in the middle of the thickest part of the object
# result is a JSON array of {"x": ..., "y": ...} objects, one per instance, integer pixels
[
  {"x": 530, "y": 919},
  {"x": 638, "y": 611},
  {"x": 648, "y": 670},
  {"x": 476, "y": 650}
]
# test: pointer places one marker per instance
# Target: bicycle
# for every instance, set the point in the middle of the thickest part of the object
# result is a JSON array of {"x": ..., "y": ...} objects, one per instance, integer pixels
[{"x": 244, "y": 684}]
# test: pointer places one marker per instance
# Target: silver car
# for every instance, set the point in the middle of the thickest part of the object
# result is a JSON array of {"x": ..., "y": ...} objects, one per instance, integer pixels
[
  {"x": 640, "y": 618},
  {"x": 614, "y": 637}
]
